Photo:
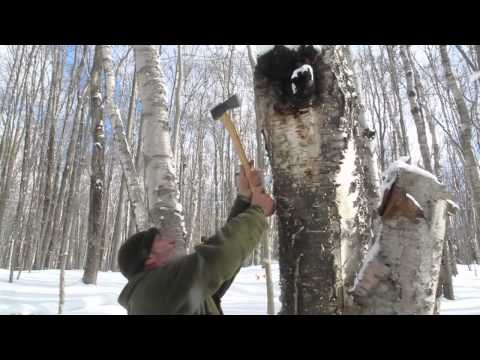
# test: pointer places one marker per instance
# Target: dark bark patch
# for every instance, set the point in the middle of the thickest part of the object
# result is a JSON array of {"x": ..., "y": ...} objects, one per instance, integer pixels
[
  {"x": 396, "y": 203},
  {"x": 353, "y": 187},
  {"x": 277, "y": 67},
  {"x": 369, "y": 134}
]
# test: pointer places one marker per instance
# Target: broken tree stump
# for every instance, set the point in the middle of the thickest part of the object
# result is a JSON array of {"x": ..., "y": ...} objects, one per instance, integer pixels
[{"x": 400, "y": 272}]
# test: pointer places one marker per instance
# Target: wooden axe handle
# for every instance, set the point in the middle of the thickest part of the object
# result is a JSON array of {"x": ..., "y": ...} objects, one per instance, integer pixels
[{"x": 237, "y": 144}]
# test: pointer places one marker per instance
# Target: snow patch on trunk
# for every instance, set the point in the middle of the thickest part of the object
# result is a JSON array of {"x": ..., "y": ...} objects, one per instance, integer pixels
[
  {"x": 453, "y": 204},
  {"x": 414, "y": 201},
  {"x": 345, "y": 178},
  {"x": 371, "y": 256},
  {"x": 301, "y": 69},
  {"x": 346, "y": 195},
  {"x": 390, "y": 175}
]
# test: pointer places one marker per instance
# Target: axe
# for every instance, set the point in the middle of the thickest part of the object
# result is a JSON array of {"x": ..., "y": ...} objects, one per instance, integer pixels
[{"x": 220, "y": 112}]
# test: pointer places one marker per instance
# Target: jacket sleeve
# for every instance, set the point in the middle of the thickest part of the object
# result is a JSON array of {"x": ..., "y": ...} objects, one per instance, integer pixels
[
  {"x": 239, "y": 205},
  {"x": 220, "y": 258}
]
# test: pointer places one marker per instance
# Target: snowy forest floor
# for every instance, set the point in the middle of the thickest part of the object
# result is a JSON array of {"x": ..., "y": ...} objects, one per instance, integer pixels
[{"x": 36, "y": 293}]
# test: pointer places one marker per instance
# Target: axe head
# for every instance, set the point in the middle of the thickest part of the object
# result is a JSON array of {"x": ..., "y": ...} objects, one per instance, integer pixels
[{"x": 232, "y": 103}]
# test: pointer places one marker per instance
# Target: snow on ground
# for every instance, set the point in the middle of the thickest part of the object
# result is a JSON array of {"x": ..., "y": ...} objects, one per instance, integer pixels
[
  {"x": 36, "y": 293},
  {"x": 466, "y": 286}
]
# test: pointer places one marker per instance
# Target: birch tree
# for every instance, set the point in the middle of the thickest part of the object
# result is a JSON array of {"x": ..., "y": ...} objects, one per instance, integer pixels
[
  {"x": 401, "y": 270},
  {"x": 135, "y": 193},
  {"x": 165, "y": 210},
  {"x": 260, "y": 163},
  {"x": 97, "y": 179},
  {"x": 308, "y": 107},
  {"x": 415, "y": 110},
  {"x": 470, "y": 161}
]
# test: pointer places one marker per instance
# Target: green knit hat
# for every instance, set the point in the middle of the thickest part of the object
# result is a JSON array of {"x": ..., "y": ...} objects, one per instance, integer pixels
[{"x": 134, "y": 252}]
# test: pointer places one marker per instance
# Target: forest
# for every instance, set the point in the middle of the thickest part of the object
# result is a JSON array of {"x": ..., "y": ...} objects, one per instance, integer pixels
[{"x": 370, "y": 152}]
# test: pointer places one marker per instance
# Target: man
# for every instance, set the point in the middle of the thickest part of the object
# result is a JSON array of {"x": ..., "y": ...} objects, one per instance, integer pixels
[{"x": 193, "y": 284}]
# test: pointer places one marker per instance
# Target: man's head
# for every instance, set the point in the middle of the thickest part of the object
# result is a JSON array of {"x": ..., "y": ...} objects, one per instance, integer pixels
[{"x": 144, "y": 250}]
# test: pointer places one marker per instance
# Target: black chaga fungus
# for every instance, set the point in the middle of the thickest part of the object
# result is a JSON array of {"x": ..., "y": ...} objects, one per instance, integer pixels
[{"x": 293, "y": 89}]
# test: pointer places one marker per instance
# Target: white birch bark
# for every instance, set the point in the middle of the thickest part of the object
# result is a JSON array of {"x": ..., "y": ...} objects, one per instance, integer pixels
[
  {"x": 165, "y": 210},
  {"x": 400, "y": 273},
  {"x": 135, "y": 194},
  {"x": 178, "y": 95},
  {"x": 416, "y": 110},
  {"x": 260, "y": 163},
  {"x": 471, "y": 163},
  {"x": 318, "y": 178}
]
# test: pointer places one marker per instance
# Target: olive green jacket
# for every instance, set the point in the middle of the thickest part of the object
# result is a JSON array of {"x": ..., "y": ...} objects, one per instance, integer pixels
[{"x": 186, "y": 285}]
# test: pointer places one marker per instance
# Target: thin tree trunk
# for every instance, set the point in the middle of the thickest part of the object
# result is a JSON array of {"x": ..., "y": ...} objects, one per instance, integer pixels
[
  {"x": 72, "y": 198},
  {"x": 416, "y": 110},
  {"x": 165, "y": 210},
  {"x": 178, "y": 94},
  {"x": 97, "y": 177},
  {"x": 394, "y": 80},
  {"x": 49, "y": 189},
  {"x": 471, "y": 163},
  {"x": 119, "y": 217},
  {"x": 260, "y": 164},
  {"x": 135, "y": 192},
  {"x": 19, "y": 215}
]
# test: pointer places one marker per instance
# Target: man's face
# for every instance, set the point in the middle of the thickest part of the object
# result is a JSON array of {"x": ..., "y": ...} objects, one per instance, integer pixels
[{"x": 162, "y": 250}]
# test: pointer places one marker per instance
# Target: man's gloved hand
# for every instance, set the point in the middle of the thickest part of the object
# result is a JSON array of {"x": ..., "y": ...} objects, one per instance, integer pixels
[{"x": 241, "y": 181}]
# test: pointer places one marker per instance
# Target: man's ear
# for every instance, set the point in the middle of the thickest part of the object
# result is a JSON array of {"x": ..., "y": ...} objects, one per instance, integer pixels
[{"x": 148, "y": 261}]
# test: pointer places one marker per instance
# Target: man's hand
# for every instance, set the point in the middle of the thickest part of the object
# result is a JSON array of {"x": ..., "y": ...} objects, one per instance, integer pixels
[
  {"x": 242, "y": 184},
  {"x": 260, "y": 198}
]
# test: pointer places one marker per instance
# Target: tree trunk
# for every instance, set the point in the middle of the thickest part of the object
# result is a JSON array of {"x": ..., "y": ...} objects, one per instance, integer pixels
[
  {"x": 260, "y": 164},
  {"x": 445, "y": 279},
  {"x": 416, "y": 110},
  {"x": 19, "y": 214},
  {"x": 311, "y": 139},
  {"x": 178, "y": 95},
  {"x": 97, "y": 178},
  {"x": 72, "y": 199},
  {"x": 471, "y": 163},
  {"x": 366, "y": 145},
  {"x": 49, "y": 188},
  {"x": 121, "y": 217},
  {"x": 135, "y": 192},
  {"x": 394, "y": 79},
  {"x": 165, "y": 210},
  {"x": 400, "y": 273}
]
